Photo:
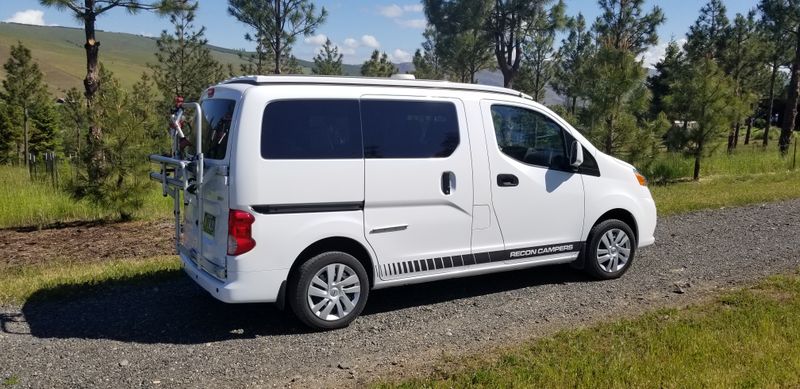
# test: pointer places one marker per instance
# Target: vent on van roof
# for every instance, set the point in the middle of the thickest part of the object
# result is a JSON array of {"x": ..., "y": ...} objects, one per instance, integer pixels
[{"x": 403, "y": 77}]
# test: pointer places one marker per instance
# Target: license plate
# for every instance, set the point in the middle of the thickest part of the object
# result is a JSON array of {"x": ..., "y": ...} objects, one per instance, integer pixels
[{"x": 209, "y": 222}]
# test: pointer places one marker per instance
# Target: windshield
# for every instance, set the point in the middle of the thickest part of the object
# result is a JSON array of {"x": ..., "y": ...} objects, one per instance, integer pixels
[{"x": 217, "y": 118}]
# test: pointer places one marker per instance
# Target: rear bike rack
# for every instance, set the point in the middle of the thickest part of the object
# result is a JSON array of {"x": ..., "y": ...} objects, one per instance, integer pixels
[{"x": 175, "y": 175}]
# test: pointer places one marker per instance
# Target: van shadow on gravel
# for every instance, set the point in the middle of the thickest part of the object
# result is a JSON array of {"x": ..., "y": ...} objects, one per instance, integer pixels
[{"x": 175, "y": 311}]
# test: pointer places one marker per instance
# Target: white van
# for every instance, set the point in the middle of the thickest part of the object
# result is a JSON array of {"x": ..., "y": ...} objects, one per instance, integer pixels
[{"x": 312, "y": 191}]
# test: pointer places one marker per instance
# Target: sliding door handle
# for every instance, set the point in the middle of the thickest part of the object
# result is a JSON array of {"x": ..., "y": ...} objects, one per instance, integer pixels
[
  {"x": 507, "y": 180},
  {"x": 448, "y": 182}
]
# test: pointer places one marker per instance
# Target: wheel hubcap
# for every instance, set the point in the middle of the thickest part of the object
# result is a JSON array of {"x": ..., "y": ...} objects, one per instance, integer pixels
[
  {"x": 613, "y": 250},
  {"x": 334, "y": 292}
]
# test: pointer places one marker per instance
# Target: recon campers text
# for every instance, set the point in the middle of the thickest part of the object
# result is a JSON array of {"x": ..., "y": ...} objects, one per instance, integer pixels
[{"x": 541, "y": 251}]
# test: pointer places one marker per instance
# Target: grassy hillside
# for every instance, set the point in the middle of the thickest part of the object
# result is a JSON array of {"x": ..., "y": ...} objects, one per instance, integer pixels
[{"x": 59, "y": 52}]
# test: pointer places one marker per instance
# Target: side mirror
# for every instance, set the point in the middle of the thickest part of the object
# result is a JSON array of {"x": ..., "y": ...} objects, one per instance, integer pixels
[{"x": 576, "y": 154}]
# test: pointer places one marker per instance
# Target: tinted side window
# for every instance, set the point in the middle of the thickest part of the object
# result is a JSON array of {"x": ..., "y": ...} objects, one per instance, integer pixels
[
  {"x": 409, "y": 129},
  {"x": 529, "y": 136},
  {"x": 311, "y": 129},
  {"x": 217, "y": 119}
]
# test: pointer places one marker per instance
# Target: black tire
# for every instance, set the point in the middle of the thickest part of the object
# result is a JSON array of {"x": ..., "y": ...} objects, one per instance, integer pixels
[
  {"x": 300, "y": 282},
  {"x": 593, "y": 265}
]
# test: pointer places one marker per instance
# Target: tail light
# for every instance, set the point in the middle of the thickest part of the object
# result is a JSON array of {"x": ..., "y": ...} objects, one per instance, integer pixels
[{"x": 240, "y": 232}]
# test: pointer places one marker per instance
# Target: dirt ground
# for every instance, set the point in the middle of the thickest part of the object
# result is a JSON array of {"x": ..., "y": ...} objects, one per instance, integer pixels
[
  {"x": 86, "y": 242},
  {"x": 173, "y": 334}
]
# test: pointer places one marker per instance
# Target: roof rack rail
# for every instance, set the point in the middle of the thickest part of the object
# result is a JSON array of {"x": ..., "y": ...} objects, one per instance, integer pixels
[{"x": 371, "y": 81}]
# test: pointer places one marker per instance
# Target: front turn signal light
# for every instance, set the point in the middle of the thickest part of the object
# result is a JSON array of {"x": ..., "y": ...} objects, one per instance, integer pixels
[{"x": 639, "y": 177}]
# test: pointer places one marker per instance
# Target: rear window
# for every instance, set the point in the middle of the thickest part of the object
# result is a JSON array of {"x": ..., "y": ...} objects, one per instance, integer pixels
[
  {"x": 409, "y": 129},
  {"x": 311, "y": 129},
  {"x": 217, "y": 118}
]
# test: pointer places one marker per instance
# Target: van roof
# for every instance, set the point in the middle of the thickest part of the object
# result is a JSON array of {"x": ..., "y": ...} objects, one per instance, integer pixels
[{"x": 371, "y": 81}]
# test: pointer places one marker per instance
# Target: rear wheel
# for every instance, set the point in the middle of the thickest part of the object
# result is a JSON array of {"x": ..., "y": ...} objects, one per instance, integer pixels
[
  {"x": 610, "y": 250},
  {"x": 329, "y": 291}
]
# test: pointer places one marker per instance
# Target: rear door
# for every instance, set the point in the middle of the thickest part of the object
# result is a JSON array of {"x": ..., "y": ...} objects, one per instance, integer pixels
[
  {"x": 206, "y": 223},
  {"x": 418, "y": 184}
]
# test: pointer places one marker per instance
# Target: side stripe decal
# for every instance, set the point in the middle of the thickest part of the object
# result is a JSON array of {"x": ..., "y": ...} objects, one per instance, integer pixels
[{"x": 430, "y": 264}]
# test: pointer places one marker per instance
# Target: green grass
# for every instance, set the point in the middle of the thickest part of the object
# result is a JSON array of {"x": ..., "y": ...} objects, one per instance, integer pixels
[
  {"x": 11, "y": 381},
  {"x": 726, "y": 191},
  {"x": 25, "y": 203},
  {"x": 749, "y": 338},
  {"x": 59, "y": 278}
]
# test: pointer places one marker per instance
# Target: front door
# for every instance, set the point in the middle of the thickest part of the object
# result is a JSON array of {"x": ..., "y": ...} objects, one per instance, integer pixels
[
  {"x": 538, "y": 199},
  {"x": 418, "y": 184}
]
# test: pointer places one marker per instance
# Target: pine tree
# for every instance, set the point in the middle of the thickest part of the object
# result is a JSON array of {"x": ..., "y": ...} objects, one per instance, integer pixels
[
  {"x": 707, "y": 96},
  {"x": 707, "y": 36},
  {"x": 74, "y": 121},
  {"x": 427, "y": 62},
  {"x": 23, "y": 91},
  {"x": 777, "y": 31},
  {"x": 128, "y": 119},
  {"x": 256, "y": 62},
  {"x": 378, "y": 65},
  {"x": 618, "y": 97},
  {"x": 667, "y": 69},
  {"x": 743, "y": 60},
  {"x": 541, "y": 61},
  {"x": 46, "y": 129},
  {"x": 185, "y": 64},
  {"x": 575, "y": 51},
  {"x": 87, "y": 12},
  {"x": 328, "y": 61},
  {"x": 8, "y": 130},
  {"x": 465, "y": 54},
  {"x": 278, "y": 23},
  {"x": 504, "y": 25},
  {"x": 618, "y": 100},
  {"x": 785, "y": 16}
]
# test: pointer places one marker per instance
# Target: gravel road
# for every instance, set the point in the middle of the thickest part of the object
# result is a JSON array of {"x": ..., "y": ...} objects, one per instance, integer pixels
[{"x": 173, "y": 335}]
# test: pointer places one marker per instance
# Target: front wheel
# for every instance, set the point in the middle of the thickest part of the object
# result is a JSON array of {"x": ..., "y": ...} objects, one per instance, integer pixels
[
  {"x": 329, "y": 291},
  {"x": 610, "y": 250}
]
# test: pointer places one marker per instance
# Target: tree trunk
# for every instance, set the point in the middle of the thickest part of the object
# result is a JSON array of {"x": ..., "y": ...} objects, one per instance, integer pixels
[
  {"x": 94, "y": 138},
  {"x": 574, "y": 103},
  {"x": 278, "y": 47},
  {"x": 749, "y": 128},
  {"x": 790, "y": 113},
  {"x": 697, "y": 156},
  {"x": 25, "y": 139},
  {"x": 609, "y": 141},
  {"x": 736, "y": 134},
  {"x": 771, "y": 101},
  {"x": 730, "y": 139}
]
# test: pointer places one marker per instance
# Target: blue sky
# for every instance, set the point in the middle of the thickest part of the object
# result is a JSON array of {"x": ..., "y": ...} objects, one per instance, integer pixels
[{"x": 356, "y": 26}]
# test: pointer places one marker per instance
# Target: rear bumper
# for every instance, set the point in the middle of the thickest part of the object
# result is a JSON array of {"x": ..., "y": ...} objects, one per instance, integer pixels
[{"x": 239, "y": 287}]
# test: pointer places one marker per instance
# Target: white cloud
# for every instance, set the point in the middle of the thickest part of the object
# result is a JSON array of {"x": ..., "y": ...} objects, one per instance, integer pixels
[
  {"x": 656, "y": 53},
  {"x": 29, "y": 16},
  {"x": 370, "y": 41},
  {"x": 351, "y": 43},
  {"x": 400, "y": 56},
  {"x": 412, "y": 23},
  {"x": 391, "y": 11},
  {"x": 346, "y": 50},
  {"x": 413, "y": 8},
  {"x": 316, "y": 40}
]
